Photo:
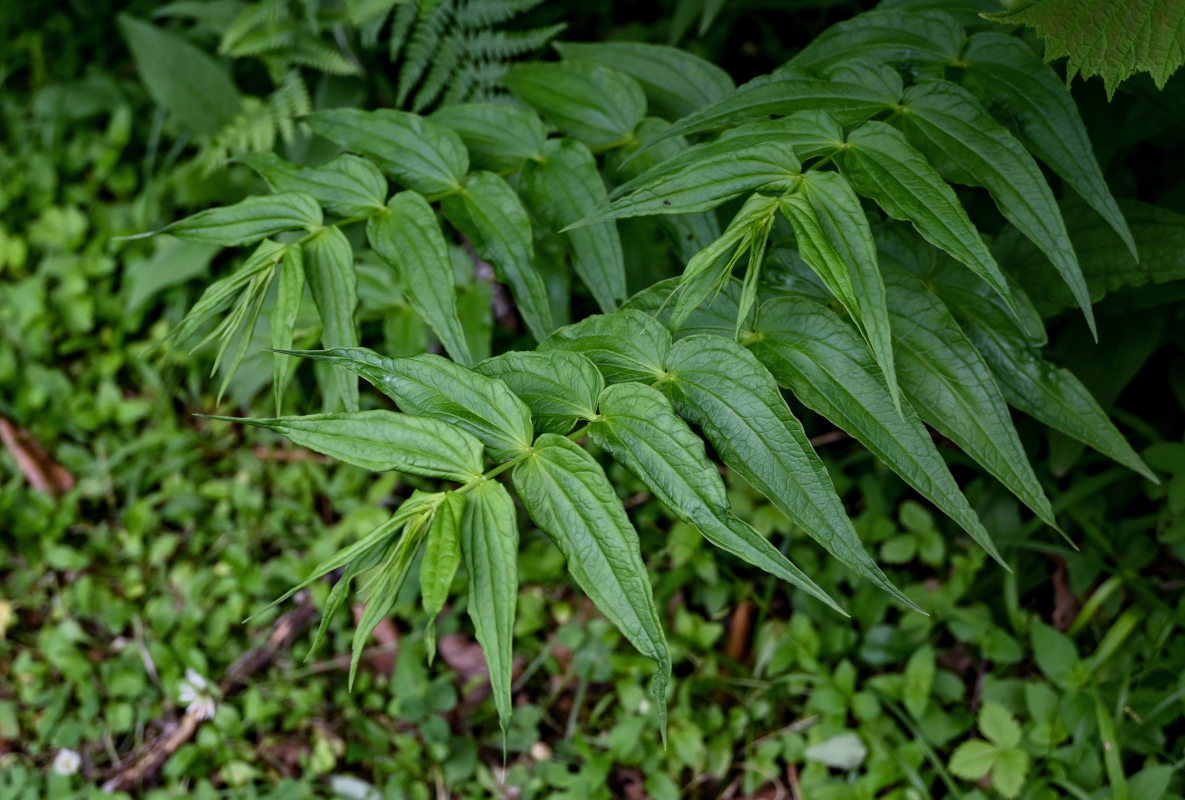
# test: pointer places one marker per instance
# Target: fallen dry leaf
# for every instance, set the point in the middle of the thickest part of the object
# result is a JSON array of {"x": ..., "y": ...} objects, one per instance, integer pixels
[{"x": 42, "y": 472}]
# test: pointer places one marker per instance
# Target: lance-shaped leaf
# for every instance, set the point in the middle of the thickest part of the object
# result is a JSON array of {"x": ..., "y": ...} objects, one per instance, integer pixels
[
  {"x": 442, "y": 556},
  {"x": 289, "y": 293},
  {"x": 329, "y": 268},
  {"x": 420, "y": 154},
  {"x": 409, "y": 239},
  {"x": 560, "y": 189},
  {"x": 926, "y": 40},
  {"x": 347, "y": 185},
  {"x": 640, "y": 430},
  {"x": 813, "y": 133},
  {"x": 489, "y": 544},
  {"x": 822, "y": 360},
  {"x": 430, "y": 386},
  {"x": 945, "y": 379},
  {"x": 382, "y": 440},
  {"x": 968, "y": 146},
  {"x": 716, "y": 318},
  {"x": 675, "y": 81},
  {"x": 1008, "y": 75},
  {"x": 1029, "y": 382},
  {"x": 722, "y": 387},
  {"x": 625, "y": 345},
  {"x": 595, "y": 104},
  {"x": 835, "y": 240},
  {"x": 882, "y": 165},
  {"x": 559, "y": 387},
  {"x": 492, "y": 216},
  {"x": 221, "y": 292},
  {"x": 250, "y": 220},
  {"x": 499, "y": 137},
  {"x": 567, "y": 494}
]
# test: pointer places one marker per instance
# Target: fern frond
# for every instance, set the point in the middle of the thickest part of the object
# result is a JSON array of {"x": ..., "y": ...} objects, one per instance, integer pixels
[
  {"x": 444, "y": 66},
  {"x": 491, "y": 45},
  {"x": 320, "y": 55},
  {"x": 475, "y": 15},
  {"x": 422, "y": 47},
  {"x": 401, "y": 24},
  {"x": 463, "y": 86}
]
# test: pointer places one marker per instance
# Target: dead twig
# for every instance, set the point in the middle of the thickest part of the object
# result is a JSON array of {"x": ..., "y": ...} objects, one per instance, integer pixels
[{"x": 42, "y": 472}]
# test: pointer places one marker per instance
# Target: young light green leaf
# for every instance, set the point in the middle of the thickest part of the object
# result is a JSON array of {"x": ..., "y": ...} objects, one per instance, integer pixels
[
  {"x": 430, "y": 386},
  {"x": 835, "y": 240},
  {"x": 922, "y": 41},
  {"x": 289, "y": 293},
  {"x": 882, "y": 165},
  {"x": 489, "y": 544},
  {"x": 1008, "y": 75},
  {"x": 383, "y": 440},
  {"x": 595, "y": 104},
  {"x": 442, "y": 556},
  {"x": 568, "y": 496},
  {"x": 813, "y": 133},
  {"x": 408, "y": 238},
  {"x": 625, "y": 345},
  {"x": 250, "y": 220},
  {"x": 717, "y": 318},
  {"x": 347, "y": 185},
  {"x": 917, "y": 681},
  {"x": 640, "y": 430},
  {"x": 968, "y": 146},
  {"x": 998, "y": 725},
  {"x": 499, "y": 137},
  {"x": 329, "y": 267},
  {"x": 219, "y": 294},
  {"x": 675, "y": 81},
  {"x": 945, "y": 378},
  {"x": 822, "y": 360},
  {"x": 422, "y": 155},
  {"x": 973, "y": 759},
  {"x": 559, "y": 387},
  {"x": 560, "y": 189},
  {"x": 492, "y": 216},
  {"x": 721, "y": 387}
]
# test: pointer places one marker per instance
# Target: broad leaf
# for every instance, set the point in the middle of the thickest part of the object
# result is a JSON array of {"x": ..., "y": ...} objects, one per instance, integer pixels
[
  {"x": 640, "y": 430},
  {"x": 920, "y": 41},
  {"x": 559, "y": 387},
  {"x": 499, "y": 137},
  {"x": 442, "y": 556},
  {"x": 420, "y": 154},
  {"x": 383, "y": 440},
  {"x": 560, "y": 189},
  {"x": 595, "y": 104},
  {"x": 721, "y": 387},
  {"x": 289, "y": 293},
  {"x": 409, "y": 239},
  {"x": 625, "y": 345},
  {"x": 347, "y": 185},
  {"x": 567, "y": 494},
  {"x": 491, "y": 215},
  {"x": 250, "y": 220},
  {"x": 329, "y": 267},
  {"x": 489, "y": 544}
]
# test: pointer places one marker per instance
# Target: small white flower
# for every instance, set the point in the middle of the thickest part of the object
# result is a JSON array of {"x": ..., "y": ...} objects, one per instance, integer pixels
[
  {"x": 66, "y": 762},
  {"x": 198, "y": 694}
]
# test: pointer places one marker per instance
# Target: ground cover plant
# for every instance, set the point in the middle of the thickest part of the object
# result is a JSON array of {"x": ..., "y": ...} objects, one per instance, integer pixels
[{"x": 547, "y": 271}]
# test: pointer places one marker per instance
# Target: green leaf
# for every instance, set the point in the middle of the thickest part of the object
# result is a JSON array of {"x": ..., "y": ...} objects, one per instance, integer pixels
[
  {"x": 1032, "y": 384},
  {"x": 599, "y": 106},
  {"x": 640, "y": 430},
  {"x": 382, "y": 440},
  {"x": 834, "y": 239},
  {"x": 219, "y": 294},
  {"x": 812, "y": 133},
  {"x": 567, "y": 494},
  {"x": 945, "y": 378},
  {"x": 716, "y": 318},
  {"x": 408, "y": 238},
  {"x": 430, "y": 386},
  {"x": 1009, "y": 76},
  {"x": 329, "y": 267},
  {"x": 489, "y": 544},
  {"x": 560, "y": 189},
  {"x": 192, "y": 85},
  {"x": 998, "y": 725},
  {"x": 721, "y": 387},
  {"x": 347, "y": 185},
  {"x": 883, "y": 166},
  {"x": 968, "y": 146},
  {"x": 973, "y": 759},
  {"x": 823, "y": 361},
  {"x": 1054, "y": 652},
  {"x": 442, "y": 556},
  {"x": 499, "y": 137},
  {"x": 625, "y": 345},
  {"x": 675, "y": 81},
  {"x": 289, "y": 293},
  {"x": 1009, "y": 772},
  {"x": 250, "y": 220},
  {"x": 422, "y": 155},
  {"x": 559, "y": 387},
  {"x": 920, "y": 41},
  {"x": 1101, "y": 38},
  {"x": 917, "y": 681},
  {"x": 492, "y": 216}
]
